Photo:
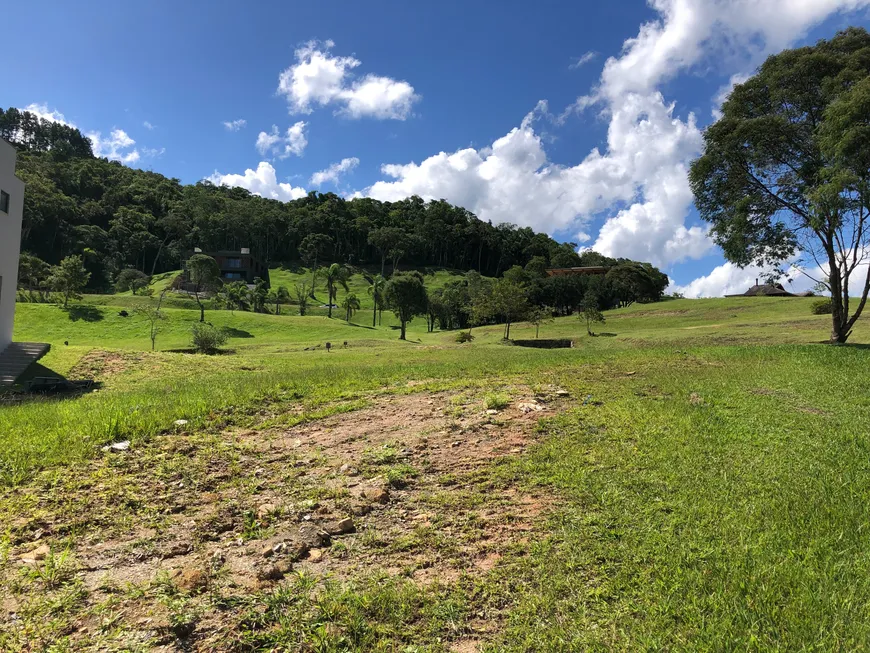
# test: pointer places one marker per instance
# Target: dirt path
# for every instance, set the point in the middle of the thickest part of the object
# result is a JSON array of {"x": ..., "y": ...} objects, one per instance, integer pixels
[{"x": 200, "y": 519}]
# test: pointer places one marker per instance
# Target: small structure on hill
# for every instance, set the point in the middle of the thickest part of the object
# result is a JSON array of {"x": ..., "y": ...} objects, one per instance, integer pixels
[
  {"x": 235, "y": 266},
  {"x": 590, "y": 270},
  {"x": 765, "y": 290}
]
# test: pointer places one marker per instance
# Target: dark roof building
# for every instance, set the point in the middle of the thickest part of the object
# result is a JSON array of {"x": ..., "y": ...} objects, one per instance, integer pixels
[
  {"x": 237, "y": 265},
  {"x": 581, "y": 271},
  {"x": 765, "y": 290}
]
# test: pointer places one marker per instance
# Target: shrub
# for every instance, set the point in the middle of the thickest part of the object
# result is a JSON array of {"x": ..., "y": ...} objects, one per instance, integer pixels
[
  {"x": 464, "y": 336},
  {"x": 822, "y": 307},
  {"x": 207, "y": 339}
]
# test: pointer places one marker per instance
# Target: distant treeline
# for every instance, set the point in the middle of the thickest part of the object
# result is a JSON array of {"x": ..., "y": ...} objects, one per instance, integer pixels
[{"x": 118, "y": 217}]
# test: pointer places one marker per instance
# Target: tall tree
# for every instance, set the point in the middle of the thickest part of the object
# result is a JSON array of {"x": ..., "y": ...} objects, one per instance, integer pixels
[
  {"x": 376, "y": 290},
  {"x": 787, "y": 169},
  {"x": 405, "y": 294},
  {"x": 335, "y": 275},
  {"x": 590, "y": 312},
  {"x": 311, "y": 249},
  {"x": 69, "y": 277},
  {"x": 204, "y": 276},
  {"x": 33, "y": 272},
  {"x": 351, "y": 305}
]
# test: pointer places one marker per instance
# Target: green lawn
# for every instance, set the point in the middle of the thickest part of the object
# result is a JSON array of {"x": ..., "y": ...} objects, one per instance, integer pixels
[{"x": 711, "y": 476}]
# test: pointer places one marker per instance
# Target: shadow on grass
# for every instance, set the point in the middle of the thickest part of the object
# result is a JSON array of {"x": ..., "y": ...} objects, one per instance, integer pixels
[
  {"x": 191, "y": 350},
  {"x": 604, "y": 335},
  {"x": 233, "y": 332},
  {"x": 40, "y": 383},
  {"x": 361, "y": 326},
  {"x": 84, "y": 313}
]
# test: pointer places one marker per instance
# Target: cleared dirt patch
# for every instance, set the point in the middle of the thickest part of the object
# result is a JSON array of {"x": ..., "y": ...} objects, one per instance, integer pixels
[{"x": 154, "y": 546}]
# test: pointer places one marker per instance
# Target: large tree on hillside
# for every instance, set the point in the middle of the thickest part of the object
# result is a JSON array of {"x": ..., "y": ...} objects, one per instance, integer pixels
[
  {"x": 205, "y": 276},
  {"x": 311, "y": 249},
  {"x": 405, "y": 294},
  {"x": 69, "y": 277},
  {"x": 376, "y": 290},
  {"x": 335, "y": 275},
  {"x": 786, "y": 170},
  {"x": 389, "y": 241}
]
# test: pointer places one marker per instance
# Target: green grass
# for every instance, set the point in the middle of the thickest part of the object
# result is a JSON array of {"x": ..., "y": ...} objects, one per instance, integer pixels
[{"x": 712, "y": 476}]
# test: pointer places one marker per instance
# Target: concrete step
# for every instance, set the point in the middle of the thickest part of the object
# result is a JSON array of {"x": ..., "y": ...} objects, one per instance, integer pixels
[{"x": 17, "y": 357}]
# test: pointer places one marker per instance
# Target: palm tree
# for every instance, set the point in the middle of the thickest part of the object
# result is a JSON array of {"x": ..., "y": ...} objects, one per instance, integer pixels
[
  {"x": 280, "y": 296},
  {"x": 335, "y": 275},
  {"x": 376, "y": 290},
  {"x": 350, "y": 305}
]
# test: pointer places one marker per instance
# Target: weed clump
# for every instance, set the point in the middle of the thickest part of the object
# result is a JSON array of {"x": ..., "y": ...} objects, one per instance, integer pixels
[{"x": 822, "y": 307}]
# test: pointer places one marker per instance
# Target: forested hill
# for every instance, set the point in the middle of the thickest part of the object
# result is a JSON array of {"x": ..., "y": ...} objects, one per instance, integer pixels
[{"x": 121, "y": 217}]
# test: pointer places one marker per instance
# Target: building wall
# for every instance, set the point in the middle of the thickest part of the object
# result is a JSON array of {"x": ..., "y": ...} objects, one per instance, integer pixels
[{"x": 10, "y": 240}]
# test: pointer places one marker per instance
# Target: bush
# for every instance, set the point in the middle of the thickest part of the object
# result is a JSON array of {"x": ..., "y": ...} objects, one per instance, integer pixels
[
  {"x": 822, "y": 307},
  {"x": 207, "y": 339},
  {"x": 464, "y": 336}
]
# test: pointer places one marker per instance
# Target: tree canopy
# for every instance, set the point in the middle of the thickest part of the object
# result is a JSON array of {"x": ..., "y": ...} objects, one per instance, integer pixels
[{"x": 785, "y": 172}]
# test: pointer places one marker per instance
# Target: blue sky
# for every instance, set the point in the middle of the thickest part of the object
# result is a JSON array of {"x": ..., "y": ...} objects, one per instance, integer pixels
[{"x": 497, "y": 106}]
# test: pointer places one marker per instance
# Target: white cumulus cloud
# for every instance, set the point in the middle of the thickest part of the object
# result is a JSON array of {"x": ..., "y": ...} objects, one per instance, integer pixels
[
  {"x": 319, "y": 78},
  {"x": 263, "y": 181},
  {"x": 280, "y": 145},
  {"x": 52, "y": 115},
  {"x": 334, "y": 171},
  {"x": 639, "y": 181},
  {"x": 117, "y": 146}
]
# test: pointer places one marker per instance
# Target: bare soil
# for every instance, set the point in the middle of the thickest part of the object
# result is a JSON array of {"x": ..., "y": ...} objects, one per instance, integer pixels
[{"x": 401, "y": 486}]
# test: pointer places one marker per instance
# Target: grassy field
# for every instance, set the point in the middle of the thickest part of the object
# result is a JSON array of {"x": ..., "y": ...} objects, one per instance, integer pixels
[{"x": 699, "y": 482}]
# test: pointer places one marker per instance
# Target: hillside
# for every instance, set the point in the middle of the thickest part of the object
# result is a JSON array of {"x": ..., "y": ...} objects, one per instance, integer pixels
[{"x": 492, "y": 477}]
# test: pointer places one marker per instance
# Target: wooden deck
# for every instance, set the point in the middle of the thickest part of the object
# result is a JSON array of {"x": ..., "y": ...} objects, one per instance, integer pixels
[{"x": 17, "y": 357}]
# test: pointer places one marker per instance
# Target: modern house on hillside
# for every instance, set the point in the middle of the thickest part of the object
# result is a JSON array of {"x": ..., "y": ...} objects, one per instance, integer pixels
[
  {"x": 15, "y": 357},
  {"x": 236, "y": 266}
]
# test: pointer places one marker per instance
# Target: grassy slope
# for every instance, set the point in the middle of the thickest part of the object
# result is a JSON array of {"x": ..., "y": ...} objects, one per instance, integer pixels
[{"x": 714, "y": 480}]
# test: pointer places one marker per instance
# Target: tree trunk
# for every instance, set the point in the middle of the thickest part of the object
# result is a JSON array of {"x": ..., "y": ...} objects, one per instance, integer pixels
[
  {"x": 537, "y": 328},
  {"x": 402, "y": 333},
  {"x": 375, "y": 314},
  {"x": 383, "y": 263},
  {"x": 201, "y": 307}
]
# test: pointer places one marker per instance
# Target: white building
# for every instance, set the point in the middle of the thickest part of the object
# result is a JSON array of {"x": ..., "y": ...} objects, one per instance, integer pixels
[{"x": 11, "y": 211}]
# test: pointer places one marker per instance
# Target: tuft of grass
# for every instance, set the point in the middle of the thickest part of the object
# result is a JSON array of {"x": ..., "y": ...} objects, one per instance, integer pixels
[{"x": 496, "y": 401}]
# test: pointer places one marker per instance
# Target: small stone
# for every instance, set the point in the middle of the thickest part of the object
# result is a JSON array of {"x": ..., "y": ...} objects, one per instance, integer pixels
[
  {"x": 117, "y": 446},
  {"x": 266, "y": 509},
  {"x": 276, "y": 571},
  {"x": 361, "y": 509},
  {"x": 562, "y": 393},
  {"x": 340, "y": 527},
  {"x": 37, "y": 554},
  {"x": 529, "y": 407},
  {"x": 348, "y": 470},
  {"x": 492, "y": 411},
  {"x": 453, "y": 445},
  {"x": 180, "y": 422},
  {"x": 313, "y": 537},
  {"x": 376, "y": 495},
  {"x": 315, "y": 555},
  {"x": 191, "y": 579}
]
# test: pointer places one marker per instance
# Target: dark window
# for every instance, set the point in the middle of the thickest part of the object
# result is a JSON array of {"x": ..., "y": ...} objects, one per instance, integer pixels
[
  {"x": 4, "y": 201},
  {"x": 234, "y": 262}
]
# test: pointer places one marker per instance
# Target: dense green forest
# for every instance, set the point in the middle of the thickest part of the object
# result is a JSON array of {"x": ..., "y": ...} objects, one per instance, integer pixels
[{"x": 118, "y": 217}]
